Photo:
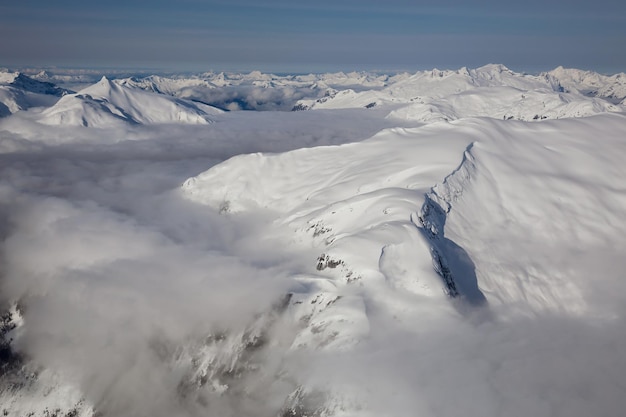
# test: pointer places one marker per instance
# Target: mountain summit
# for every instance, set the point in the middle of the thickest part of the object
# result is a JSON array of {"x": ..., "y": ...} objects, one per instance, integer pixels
[{"x": 107, "y": 104}]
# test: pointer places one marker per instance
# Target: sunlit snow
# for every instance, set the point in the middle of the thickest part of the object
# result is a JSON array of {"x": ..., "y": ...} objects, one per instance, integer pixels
[{"x": 441, "y": 243}]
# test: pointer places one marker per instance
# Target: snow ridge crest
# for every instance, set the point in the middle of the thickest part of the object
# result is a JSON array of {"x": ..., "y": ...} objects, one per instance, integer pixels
[{"x": 450, "y": 261}]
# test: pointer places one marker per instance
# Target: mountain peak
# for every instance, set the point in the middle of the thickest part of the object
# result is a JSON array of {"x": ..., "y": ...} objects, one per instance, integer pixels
[
  {"x": 26, "y": 83},
  {"x": 7, "y": 77},
  {"x": 493, "y": 68}
]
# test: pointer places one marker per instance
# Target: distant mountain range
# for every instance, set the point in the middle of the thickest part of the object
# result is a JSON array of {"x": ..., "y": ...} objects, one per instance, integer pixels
[
  {"x": 443, "y": 243},
  {"x": 489, "y": 91}
]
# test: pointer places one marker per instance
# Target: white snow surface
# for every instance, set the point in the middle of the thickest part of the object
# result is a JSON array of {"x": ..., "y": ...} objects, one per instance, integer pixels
[
  {"x": 489, "y": 91},
  {"x": 20, "y": 92},
  {"x": 109, "y": 104},
  {"x": 591, "y": 83},
  {"x": 533, "y": 186},
  {"x": 455, "y": 248}
]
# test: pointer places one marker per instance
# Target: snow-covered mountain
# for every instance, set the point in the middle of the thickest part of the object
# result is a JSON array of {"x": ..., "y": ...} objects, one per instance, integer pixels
[
  {"x": 351, "y": 208},
  {"x": 108, "y": 103},
  {"x": 489, "y": 91},
  {"x": 591, "y": 83},
  {"x": 20, "y": 92},
  {"x": 458, "y": 247},
  {"x": 28, "y": 84},
  {"x": 492, "y": 214},
  {"x": 434, "y": 88}
]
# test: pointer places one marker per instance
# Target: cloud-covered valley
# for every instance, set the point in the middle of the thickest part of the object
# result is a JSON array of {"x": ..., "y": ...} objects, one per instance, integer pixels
[{"x": 305, "y": 263}]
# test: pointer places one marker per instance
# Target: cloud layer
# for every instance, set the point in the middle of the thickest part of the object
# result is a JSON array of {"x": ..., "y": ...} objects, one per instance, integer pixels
[{"x": 122, "y": 281}]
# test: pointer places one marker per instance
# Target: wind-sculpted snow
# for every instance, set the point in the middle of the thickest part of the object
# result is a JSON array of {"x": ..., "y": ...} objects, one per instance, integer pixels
[{"x": 316, "y": 263}]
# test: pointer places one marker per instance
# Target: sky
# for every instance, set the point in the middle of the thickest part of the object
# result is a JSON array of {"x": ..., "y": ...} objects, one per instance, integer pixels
[{"x": 323, "y": 35}]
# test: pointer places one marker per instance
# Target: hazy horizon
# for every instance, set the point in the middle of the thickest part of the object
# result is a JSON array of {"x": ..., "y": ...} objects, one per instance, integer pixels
[
  {"x": 122, "y": 71},
  {"x": 246, "y": 245},
  {"x": 281, "y": 36}
]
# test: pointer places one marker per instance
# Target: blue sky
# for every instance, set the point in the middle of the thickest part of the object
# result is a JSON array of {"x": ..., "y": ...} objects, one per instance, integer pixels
[{"x": 323, "y": 35}]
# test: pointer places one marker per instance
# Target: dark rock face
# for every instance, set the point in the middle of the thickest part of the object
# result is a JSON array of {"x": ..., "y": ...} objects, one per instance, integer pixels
[{"x": 40, "y": 87}]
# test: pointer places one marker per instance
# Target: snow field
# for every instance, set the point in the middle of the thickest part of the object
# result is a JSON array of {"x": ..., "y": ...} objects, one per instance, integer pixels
[{"x": 467, "y": 258}]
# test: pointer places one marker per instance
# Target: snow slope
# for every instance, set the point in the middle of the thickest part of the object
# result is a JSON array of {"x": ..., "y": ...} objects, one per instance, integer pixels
[
  {"x": 470, "y": 258},
  {"x": 591, "y": 83},
  {"x": 539, "y": 211},
  {"x": 489, "y": 91},
  {"x": 507, "y": 218},
  {"x": 504, "y": 103},
  {"x": 562, "y": 92},
  {"x": 165, "y": 85},
  {"x": 20, "y": 92},
  {"x": 108, "y": 103},
  {"x": 342, "y": 198},
  {"x": 255, "y": 90}
]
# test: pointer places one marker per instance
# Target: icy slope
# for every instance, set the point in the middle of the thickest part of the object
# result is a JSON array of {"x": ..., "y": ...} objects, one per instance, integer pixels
[{"x": 108, "y": 103}]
